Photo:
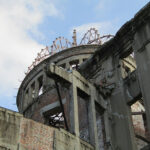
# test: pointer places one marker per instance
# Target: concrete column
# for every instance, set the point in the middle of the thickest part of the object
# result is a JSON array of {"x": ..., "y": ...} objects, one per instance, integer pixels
[
  {"x": 22, "y": 101},
  {"x": 30, "y": 95},
  {"x": 120, "y": 123},
  {"x": 107, "y": 130},
  {"x": 141, "y": 46},
  {"x": 26, "y": 97},
  {"x": 92, "y": 119},
  {"x": 74, "y": 118},
  {"x": 67, "y": 66},
  {"x": 45, "y": 81},
  {"x": 37, "y": 88},
  {"x": 80, "y": 61}
]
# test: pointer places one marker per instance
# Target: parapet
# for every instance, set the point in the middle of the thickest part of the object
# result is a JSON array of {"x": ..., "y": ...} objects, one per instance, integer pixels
[{"x": 19, "y": 133}]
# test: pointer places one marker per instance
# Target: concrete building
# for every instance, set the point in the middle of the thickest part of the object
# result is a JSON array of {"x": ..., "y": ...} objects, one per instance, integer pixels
[{"x": 91, "y": 96}]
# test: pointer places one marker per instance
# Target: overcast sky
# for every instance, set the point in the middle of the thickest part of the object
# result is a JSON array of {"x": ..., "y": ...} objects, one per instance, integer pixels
[{"x": 26, "y": 26}]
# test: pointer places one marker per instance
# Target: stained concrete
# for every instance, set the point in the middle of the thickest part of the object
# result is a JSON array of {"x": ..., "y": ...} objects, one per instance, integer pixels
[{"x": 114, "y": 76}]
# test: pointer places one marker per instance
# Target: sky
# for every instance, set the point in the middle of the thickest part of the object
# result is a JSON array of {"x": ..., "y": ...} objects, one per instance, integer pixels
[{"x": 27, "y": 26}]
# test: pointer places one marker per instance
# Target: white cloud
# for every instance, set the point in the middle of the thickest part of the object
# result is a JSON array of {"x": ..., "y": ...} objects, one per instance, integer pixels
[
  {"x": 17, "y": 48},
  {"x": 104, "y": 28}
]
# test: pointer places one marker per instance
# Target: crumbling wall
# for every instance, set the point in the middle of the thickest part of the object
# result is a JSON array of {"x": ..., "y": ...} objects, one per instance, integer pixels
[
  {"x": 35, "y": 136},
  {"x": 64, "y": 59},
  {"x": 9, "y": 129},
  {"x": 66, "y": 141},
  {"x": 42, "y": 104},
  {"x": 19, "y": 133}
]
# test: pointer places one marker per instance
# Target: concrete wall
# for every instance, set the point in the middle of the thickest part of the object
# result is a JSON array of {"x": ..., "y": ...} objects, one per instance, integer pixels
[
  {"x": 19, "y": 133},
  {"x": 9, "y": 129}
]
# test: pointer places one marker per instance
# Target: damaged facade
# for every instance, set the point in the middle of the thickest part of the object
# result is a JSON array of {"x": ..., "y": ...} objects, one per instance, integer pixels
[{"x": 92, "y": 96}]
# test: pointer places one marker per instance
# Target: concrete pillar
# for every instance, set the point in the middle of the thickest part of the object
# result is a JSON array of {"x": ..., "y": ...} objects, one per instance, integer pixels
[
  {"x": 26, "y": 97},
  {"x": 37, "y": 88},
  {"x": 67, "y": 66},
  {"x": 80, "y": 61},
  {"x": 92, "y": 119},
  {"x": 107, "y": 130},
  {"x": 30, "y": 95},
  {"x": 120, "y": 123},
  {"x": 45, "y": 82},
  {"x": 141, "y": 47},
  {"x": 22, "y": 101},
  {"x": 74, "y": 119}
]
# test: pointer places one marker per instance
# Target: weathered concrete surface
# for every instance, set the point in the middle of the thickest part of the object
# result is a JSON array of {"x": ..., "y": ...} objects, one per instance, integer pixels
[
  {"x": 132, "y": 88},
  {"x": 9, "y": 129},
  {"x": 111, "y": 79},
  {"x": 19, "y": 133},
  {"x": 142, "y": 55},
  {"x": 109, "y": 69},
  {"x": 65, "y": 57},
  {"x": 66, "y": 141}
]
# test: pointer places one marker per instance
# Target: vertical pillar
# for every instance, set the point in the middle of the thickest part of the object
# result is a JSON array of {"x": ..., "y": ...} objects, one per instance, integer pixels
[
  {"x": 26, "y": 97},
  {"x": 37, "y": 88},
  {"x": 22, "y": 101},
  {"x": 141, "y": 46},
  {"x": 45, "y": 82},
  {"x": 80, "y": 61},
  {"x": 67, "y": 66},
  {"x": 120, "y": 124},
  {"x": 92, "y": 119},
  {"x": 30, "y": 95},
  {"x": 74, "y": 118},
  {"x": 107, "y": 130}
]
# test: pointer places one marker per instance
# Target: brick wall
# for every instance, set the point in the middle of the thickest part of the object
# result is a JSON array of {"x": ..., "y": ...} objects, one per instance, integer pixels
[{"x": 19, "y": 133}]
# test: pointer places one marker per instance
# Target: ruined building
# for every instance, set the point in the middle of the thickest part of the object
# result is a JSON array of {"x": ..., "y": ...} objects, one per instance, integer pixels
[{"x": 89, "y": 96}]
